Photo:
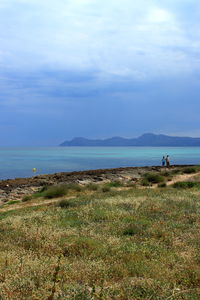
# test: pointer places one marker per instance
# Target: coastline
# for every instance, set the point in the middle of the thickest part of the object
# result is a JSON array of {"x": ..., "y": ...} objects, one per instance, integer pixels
[{"x": 14, "y": 189}]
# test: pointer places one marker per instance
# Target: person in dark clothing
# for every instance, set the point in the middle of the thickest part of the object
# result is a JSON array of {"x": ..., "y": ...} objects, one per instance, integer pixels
[{"x": 167, "y": 161}]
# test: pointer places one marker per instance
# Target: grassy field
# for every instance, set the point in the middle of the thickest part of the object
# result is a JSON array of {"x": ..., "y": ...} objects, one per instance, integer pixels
[{"x": 105, "y": 242}]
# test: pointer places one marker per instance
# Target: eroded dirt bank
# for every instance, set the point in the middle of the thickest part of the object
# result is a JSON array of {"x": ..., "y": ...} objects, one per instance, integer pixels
[{"x": 14, "y": 189}]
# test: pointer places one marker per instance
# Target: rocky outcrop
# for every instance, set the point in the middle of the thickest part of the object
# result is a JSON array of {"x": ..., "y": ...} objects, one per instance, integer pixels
[{"x": 15, "y": 189}]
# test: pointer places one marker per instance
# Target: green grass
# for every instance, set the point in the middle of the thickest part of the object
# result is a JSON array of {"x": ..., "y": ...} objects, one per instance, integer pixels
[
  {"x": 153, "y": 178},
  {"x": 118, "y": 244},
  {"x": 115, "y": 184},
  {"x": 190, "y": 170},
  {"x": 92, "y": 187},
  {"x": 105, "y": 188},
  {"x": 13, "y": 202},
  {"x": 55, "y": 191},
  {"x": 162, "y": 185},
  {"x": 26, "y": 198},
  {"x": 145, "y": 182},
  {"x": 66, "y": 203},
  {"x": 186, "y": 184},
  {"x": 171, "y": 173}
]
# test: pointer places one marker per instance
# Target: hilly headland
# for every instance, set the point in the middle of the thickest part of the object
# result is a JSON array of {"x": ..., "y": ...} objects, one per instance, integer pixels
[{"x": 147, "y": 139}]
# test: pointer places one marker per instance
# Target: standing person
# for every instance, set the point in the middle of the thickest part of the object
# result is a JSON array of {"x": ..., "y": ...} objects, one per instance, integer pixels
[
  {"x": 163, "y": 161},
  {"x": 167, "y": 161}
]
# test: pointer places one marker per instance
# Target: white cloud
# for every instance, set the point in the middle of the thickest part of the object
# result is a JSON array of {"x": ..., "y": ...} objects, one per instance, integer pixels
[
  {"x": 158, "y": 15},
  {"x": 117, "y": 38}
]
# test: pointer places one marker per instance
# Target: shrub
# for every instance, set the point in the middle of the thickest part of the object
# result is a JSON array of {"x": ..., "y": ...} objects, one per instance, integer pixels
[
  {"x": 73, "y": 186},
  {"x": 186, "y": 184},
  {"x": 13, "y": 202},
  {"x": 83, "y": 247},
  {"x": 131, "y": 184},
  {"x": 166, "y": 173},
  {"x": 105, "y": 189},
  {"x": 26, "y": 198},
  {"x": 92, "y": 187},
  {"x": 175, "y": 172},
  {"x": 162, "y": 185},
  {"x": 55, "y": 191},
  {"x": 153, "y": 177},
  {"x": 145, "y": 182},
  {"x": 115, "y": 184},
  {"x": 190, "y": 170},
  {"x": 43, "y": 189},
  {"x": 40, "y": 192},
  {"x": 64, "y": 203},
  {"x": 132, "y": 230}
]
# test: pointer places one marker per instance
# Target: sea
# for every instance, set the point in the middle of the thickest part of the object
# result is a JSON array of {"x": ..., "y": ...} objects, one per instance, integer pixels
[{"x": 19, "y": 162}]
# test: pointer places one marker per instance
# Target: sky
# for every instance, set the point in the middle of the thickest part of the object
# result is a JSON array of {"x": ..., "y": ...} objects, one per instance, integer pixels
[{"x": 97, "y": 69}]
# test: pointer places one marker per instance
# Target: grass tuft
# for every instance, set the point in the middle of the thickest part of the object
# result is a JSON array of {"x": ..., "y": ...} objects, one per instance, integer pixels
[
  {"x": 145, "y": 182},
  {"x": 105, "y": 189},
  {"x": 190, "y": 170},
  {"x": 153, "y": 178},
  {"x": 115, "y": 184},
  {"x": 162, "y": 185},
  {"x": 13, "y": 202},
  {"x": 26, "y": 198},
  {"x": 64, "y": 203},
  {"x": 133, "y": 230},
  {"x": 55, "y": 192},
  {"x": 82, "y": 247},
  {"x": 186, "y": 184},
  {"x": 92, "y": 187}
]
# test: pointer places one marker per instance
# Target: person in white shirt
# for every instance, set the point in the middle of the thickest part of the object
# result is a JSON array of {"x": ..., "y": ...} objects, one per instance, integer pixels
[{"x": 167, "y": 161}]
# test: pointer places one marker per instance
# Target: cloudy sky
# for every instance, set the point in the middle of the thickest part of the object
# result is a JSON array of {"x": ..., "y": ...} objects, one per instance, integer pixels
[{"x": 98, "y": 68}]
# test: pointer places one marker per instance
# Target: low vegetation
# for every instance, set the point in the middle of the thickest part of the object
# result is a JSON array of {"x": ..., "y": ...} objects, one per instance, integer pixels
[
  {"x": 26, "y": 198},
  {"x": 186, "y": 184},
  {"x": 104, "y": 243},
  {"x": 13, "y": 202},
  {"x": 65, "y": 203},
  {"x": 151, "y": 178},
  {"x": 190, "y": 170},
  {"x": 56, "y": 191},
  {"x": 92, "y": 187},
  {"x": 162, "y": 184},
  {"x": 115, "y": 184}
]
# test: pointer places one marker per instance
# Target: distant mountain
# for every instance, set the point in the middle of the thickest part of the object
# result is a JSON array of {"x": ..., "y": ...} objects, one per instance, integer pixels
[{"x": 147, "y": 139}]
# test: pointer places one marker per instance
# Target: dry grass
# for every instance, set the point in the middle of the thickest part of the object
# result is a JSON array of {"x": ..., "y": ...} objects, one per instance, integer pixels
[{"x": 131, "y": 244}]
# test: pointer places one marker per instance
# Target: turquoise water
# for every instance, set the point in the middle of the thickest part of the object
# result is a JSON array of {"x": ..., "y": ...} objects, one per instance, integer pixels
[{"x": 19, "y": 162}]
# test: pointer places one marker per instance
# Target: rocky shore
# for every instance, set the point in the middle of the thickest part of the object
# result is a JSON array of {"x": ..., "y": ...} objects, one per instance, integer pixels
[{"x": 15, "y": 189}]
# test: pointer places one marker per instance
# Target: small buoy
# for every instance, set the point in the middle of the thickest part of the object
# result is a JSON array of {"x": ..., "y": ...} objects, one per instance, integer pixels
[{"x": 34, "y": 170}]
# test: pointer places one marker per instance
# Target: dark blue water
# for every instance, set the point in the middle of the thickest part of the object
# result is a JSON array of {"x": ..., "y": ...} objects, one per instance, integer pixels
[{"x": 20, "y": 162}]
